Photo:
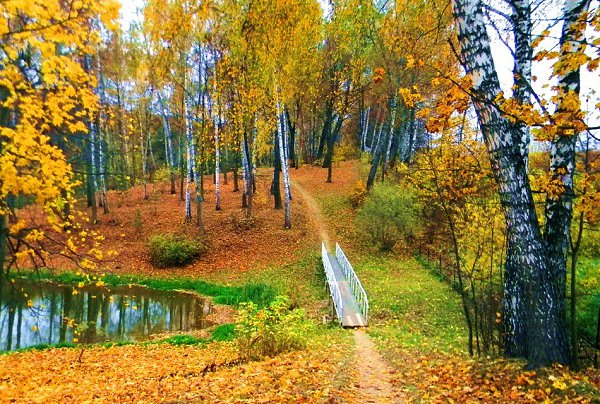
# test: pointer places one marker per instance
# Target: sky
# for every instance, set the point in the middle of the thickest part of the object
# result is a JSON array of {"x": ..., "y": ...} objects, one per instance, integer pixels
[{"x": 502, "y": 57}]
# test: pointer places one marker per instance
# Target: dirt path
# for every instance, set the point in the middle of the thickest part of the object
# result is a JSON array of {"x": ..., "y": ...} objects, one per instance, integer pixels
[
  {"x": 315, "y": 212},
  {"x": 375, "y": 376}
]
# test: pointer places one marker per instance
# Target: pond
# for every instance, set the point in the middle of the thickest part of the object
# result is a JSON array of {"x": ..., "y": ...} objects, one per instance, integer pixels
[{"x": 33, "y": 313}]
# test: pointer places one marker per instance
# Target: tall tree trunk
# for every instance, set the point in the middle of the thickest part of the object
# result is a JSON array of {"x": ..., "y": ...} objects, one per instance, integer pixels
[
  {"x": 91, "y": 174},
  {"x": 379, "y": 152},
  {"x": 559, "y": 207},
  {"x": 217, "y": 164},
  {"x": 411, "y": 136},
  {"x": 276, "y": 186},
  {"x": 292, "y": 140},
  {"x": 169, "y": 152},
  {"x": 326, "y": 128},
  {"x": 328, "y": 162},
  {"x": 522, "y": 27},
  {"x": 365, "y": 131},
  {"x": 388, "y": 146},
  {"x": 189, "y": 137},
  {"x": 515, "y": 309},
  {"x": 199, "y": 186},
  {"x": 144, "y": 149},
  {"x": 182, "y": 175},
  {"x": 103, "y": 167},
  {"x": 545, "y": 330},
  {"x": 248, "y": 187},
  {"x": 236, "y": 183},
  {"x": 284, "y": 167}
]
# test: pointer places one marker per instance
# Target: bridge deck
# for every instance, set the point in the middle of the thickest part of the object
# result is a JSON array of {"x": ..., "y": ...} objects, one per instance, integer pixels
[{"x": 351, "y": 316}]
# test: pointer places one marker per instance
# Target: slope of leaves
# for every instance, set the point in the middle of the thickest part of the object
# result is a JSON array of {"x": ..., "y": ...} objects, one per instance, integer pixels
[
  {"x": 442, "y": 377},
  {"x": 133, "y": 220},
  {"x": 159, "y": 373}
]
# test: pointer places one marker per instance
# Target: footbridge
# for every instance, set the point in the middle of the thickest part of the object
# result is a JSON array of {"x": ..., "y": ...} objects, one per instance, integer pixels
[{"x": 349, "y": 298}]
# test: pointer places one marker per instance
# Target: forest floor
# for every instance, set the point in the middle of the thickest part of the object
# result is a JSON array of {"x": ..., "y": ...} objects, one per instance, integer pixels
[
  {"x": 232, "y": 244},
  {"x": 413, "y": 349}
]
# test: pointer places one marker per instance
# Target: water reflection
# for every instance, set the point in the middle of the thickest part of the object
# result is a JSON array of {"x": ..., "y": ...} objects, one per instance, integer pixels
[{"x": 34, "y": 313}]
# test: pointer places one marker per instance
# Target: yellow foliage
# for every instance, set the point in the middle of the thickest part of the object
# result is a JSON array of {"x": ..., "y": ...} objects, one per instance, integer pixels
[{"x": 53, "y": 38}]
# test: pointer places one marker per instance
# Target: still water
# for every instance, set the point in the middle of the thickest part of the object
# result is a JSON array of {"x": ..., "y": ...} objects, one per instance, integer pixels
[{"x": 34, "y": 313}]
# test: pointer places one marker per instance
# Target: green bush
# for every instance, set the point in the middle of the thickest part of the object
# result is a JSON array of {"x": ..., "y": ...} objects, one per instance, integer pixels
[
  {"x": 223, "y": 332},
  {"x": 173, "y": 251},
  {"x": 590, "y": 244},
  {"x": 270, "y": 331},
  {"x": 388, "y": 214}
]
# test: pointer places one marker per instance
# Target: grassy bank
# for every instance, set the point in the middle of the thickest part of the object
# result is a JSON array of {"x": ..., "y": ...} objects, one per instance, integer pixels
[
  {"x": 410, "y": 306},
  {"x": 259, "y": 293}
]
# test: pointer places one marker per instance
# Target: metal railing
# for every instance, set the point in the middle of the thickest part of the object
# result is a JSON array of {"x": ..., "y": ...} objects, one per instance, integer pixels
[
  {"x": 333, "y": 285},
  {"x": 355, "y": 286}
]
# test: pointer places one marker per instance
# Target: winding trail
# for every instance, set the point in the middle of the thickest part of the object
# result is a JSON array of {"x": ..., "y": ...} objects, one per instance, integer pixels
[
  {"x": 315, "y": 213},
  {"x": 375, "y": 377}
]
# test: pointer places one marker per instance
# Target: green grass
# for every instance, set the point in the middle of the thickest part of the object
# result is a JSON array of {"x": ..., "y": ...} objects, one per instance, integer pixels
[
  {"x": 223, "y": 332},
  {"x": 259, "y": 293},
  {"x": 302, "y": 280},
  {"x": 410, "y": 306},
  {"x": 588, "y": 272},
  {"x": 41, "y": 347}
]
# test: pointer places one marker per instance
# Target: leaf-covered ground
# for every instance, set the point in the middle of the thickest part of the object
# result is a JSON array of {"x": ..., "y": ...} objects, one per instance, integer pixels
[
  {"x": 438, "y": 376},
  {"x": 166, "y": 373},
  {"x": 232, "y": 244}
]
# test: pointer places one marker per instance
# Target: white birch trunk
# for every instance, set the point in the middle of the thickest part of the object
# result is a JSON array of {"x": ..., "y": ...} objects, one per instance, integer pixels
[
  {"x": 543, "y": 329},
  {"x": 190, "y": 161},
  {"x": 102, "y": 164},
  {"x": 217, "y": 164},
  {"x": 284, "y": 167},
  {"x": 365, "y": 130}
]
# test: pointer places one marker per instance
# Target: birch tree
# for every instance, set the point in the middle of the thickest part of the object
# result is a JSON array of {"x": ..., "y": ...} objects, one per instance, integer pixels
[
  {"x": 536, "y": 275},
  {"x": 283, "y": 161}
]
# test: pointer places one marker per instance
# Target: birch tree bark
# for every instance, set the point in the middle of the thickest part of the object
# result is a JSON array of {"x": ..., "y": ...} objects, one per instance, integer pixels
[
  {"x": 543, "y": 323},
  {"x": 514, "y": 308},
  {"x": 189, "y": 137},
  {"x": 559, "y": 208},
  {"x": 248, "y": 197},
  {"x": 284, "y": 167},
  {"x": 217, "y": 163},
  {"x": 379, "y": 151}
]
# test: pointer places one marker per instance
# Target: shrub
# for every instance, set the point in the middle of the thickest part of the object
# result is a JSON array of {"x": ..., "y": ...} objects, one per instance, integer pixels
[
  {"x": 138, "y": 222},
  {"x": 163, "y": 174},
  {"x": 346, "y": 151},
  {"x": 388, "y": 214},
  {"x": 241, "y": 223},
  {"x": 270, "y": 331},
  {"x": 173, "y": 251},
  {"x": 223, "y": 332},
  {"x": 359, "y": 194}
]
